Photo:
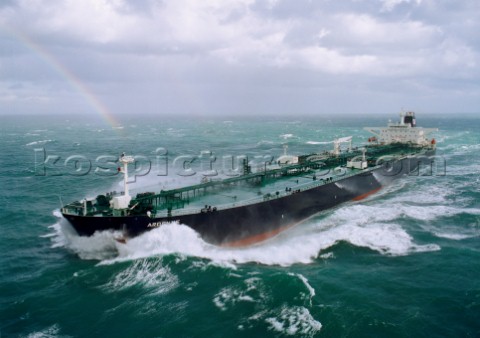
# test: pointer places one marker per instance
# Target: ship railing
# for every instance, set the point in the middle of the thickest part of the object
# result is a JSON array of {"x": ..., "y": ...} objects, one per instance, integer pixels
[
  {"x": 74, "y": 208},
  {"x": 272, "y": 196}
]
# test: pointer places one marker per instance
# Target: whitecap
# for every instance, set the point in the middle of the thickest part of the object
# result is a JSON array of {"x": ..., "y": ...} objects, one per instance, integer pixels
[
  {"x": 49, "y": 332},
  {"x": 453, "y": 236},
  {"x": 264, "y": 142},
  {"x": 327, "y": 255},
  {"x": 317, "y": 142},
  {"x": 101, "y": 245},
  {"x": 147, "y": 273},
  {"x": 311, "y": 290},
  {"x": 432, "y": 212},
  {"x": 286, "y": 136},
  {"x": 168, "y": 239},
  {"x": 38, "y": 142},
  {"x": 251, "y": 292},
  {"x": 294, "y": 321}
]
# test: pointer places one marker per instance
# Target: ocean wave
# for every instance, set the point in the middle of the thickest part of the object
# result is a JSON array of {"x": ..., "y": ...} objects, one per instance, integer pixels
[
  {"x": 465, "y": 169},
  {"x": 168, "y": 239},
  {"x": 49, "y": 332},
  {"x": 454, "y": 236},
  {"x": 428, "y": 204},
  {"x": 100, "y": 246},
  {"x": 264, "y": 142},
  {"x": 300, "y": 245},
  {"x": 459, "y": 149},
  {"x": 432, "y": 212},
  {"x": 286, "y": 136},
  {"x": 146, "y": 273},
  {"x": 39, "y": 142},
  {"x": 293, "y": 321},
  {"x": 386, "y": 239},
  {"x": 317, "y": 142},
  {"x": 469, "y": 228},
  {"x": 252, "y": 291},
  {"x": 359, "y": 225},
  {"x": 304, "y": 280},
  {"x": 406, "y": 191}
]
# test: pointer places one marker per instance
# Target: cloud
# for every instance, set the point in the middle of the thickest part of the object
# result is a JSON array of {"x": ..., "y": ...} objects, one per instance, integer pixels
[
  {"x": 295, "y": 52},
  {"x": 389, "y": 5}
]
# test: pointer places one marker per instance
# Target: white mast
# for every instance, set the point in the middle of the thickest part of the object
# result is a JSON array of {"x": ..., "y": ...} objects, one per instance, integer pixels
[
  {"x": 122, "y": 202},
  {"x": 125, "y": 160},
  {"x": 338, "y": 141}
]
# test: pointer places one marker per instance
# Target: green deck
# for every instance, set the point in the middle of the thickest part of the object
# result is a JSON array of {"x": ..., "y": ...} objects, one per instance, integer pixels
[{"x": 246, "y": 188}]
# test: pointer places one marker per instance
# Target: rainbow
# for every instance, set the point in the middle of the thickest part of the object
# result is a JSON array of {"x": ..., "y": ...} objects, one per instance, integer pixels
[{"x": 69, "y": 76}]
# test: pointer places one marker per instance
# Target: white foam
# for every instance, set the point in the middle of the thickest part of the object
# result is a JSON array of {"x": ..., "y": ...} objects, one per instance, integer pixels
[
  {"x": 287, "y": 320},
  {"x": 453, "y": 236},
  {"x": 466, "y": 169},
  {"x": 265, "y": 142},
  {"x": 435, "y": 194},
  {"x": 251, "y": 291},
  {"x": 293, "y": 321},
  {"x": 461, "y": 149},
  {"x": 311, "y": 290},
  {"x": 360, "y": 225},
  {"x": 286, "y": 136},
  {"x": 455, "y": 231},
  {"x": 146, "y": 273},
  {"x": 100, "y": 246},
  {"x": 49, "y": 332},
  {"x": 38, "y": 142},
  {"x": 428, "y": 213},
  {"x": 317, "y": 142},
  {"x": 170, "y": 238}
]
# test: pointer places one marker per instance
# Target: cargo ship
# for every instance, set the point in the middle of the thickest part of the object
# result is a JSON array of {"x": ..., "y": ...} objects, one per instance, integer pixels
[{"x": 258, "y": 204}]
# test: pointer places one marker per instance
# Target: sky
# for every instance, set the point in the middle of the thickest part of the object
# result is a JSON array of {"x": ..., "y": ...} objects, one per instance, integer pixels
[{"x": 251, "y": 57}]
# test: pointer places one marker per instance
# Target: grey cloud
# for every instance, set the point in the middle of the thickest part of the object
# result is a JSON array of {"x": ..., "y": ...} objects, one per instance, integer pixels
[{"x": 275, "y": 57}]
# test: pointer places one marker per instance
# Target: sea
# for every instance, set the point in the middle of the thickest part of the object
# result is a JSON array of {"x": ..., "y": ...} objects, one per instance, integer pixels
[{"x": 404, "y": 262}]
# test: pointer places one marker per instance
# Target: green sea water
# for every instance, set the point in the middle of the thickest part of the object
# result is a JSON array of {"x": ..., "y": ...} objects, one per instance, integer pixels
[{"x": 402, "y": 263}]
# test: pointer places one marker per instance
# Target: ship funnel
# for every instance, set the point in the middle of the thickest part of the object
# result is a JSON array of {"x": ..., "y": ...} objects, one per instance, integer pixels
[{"x": 409, "y": 119}]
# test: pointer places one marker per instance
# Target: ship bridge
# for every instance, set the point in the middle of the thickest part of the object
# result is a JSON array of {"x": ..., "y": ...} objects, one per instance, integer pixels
[{"x": 404, "y": 131}]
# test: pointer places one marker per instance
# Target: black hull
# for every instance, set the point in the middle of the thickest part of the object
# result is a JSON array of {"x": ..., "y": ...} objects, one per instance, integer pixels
[{"x": 248, "y": 224}]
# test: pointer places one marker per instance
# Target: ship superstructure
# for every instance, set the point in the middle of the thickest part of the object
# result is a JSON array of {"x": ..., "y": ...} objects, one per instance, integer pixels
[{"x": 404, "y": 131}]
